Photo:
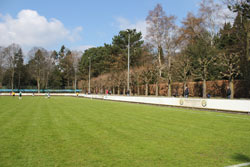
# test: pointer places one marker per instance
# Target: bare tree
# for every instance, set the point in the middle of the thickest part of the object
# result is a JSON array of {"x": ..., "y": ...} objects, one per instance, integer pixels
[
  {"x": 37, "y": 64},
  {"x": 191, "y": 29},
  {"x": 230, "y": 64},
  {"x": 136, "y": 72},
  {"x": 197, "y": 43},
  {"x": 210, "y": 11},
  {"x": 11, "y": 61},
  {"x": 76, "y": 55},
  {"x": 121, "y": 81},
  {"x": 159, "y": 26},
  {"x": 2, "y": 61},
  {"x": 46, "y": 60},
  {"x": 51, "y": 61},
  {"x": 172, "y": 45},
  {"x": 182, "y": 68},
  {"x": 147, "y": 74}
]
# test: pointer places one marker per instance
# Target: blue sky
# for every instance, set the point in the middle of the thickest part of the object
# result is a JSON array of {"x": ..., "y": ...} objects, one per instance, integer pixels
[{"x": 81, "y": 24}]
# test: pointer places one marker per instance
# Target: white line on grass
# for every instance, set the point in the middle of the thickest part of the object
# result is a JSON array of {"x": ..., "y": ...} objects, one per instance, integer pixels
[
  {"x": 239, "y": 165},
  {"x": 232, "y": 117}
]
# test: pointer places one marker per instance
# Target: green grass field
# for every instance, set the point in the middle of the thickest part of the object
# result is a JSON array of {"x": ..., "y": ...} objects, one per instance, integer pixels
[{"x": 68, "y": 132}]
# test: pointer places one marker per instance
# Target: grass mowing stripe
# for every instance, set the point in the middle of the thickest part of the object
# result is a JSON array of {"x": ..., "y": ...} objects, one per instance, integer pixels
[
  {"x": 66, "y": 131},
  {"x": 187, "y": 122},
  {"x": 215, "y": 122},
  {"x": 12, "y": 137},
  {"x": 89, "y": 136},
  {"x": 8, "y": 111},
  {"x": 226, "y": 123}
]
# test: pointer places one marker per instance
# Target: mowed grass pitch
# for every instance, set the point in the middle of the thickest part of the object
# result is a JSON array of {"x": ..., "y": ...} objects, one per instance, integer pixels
[{"x": 68, "y": 131}]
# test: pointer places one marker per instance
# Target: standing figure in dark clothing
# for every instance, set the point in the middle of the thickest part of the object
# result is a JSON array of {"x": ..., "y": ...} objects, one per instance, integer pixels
[{"x": 186, "y": 92}]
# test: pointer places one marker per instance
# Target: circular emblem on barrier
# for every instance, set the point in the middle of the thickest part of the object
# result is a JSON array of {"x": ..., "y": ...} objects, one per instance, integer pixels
[
  {"x": 181, "y": 101},
  {"x": 204, "y": 103}
]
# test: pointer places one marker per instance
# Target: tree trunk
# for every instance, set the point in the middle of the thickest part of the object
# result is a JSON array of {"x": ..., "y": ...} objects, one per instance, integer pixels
[
  {"x": 118, "y": 90},
  {"x": 184, "y": 84},
  {"x": 247, "y": 27},
  {"x": 169, "y": 76},
  {"x": 156, "y": 89},
  {"x": 12, "y": 79},
  {"x": 47, "y": 80},
  {"x": 204, "y": 93},
  {"x": 19, "y": 79},
  {"x": 231, "y": 85},
  {"x": 124, "y": 90},
  {"x": 159, "y": 59},
  {"x": 113, "y": 90},
  {"x": 75, "y": 82},
  {"x": 43, "y": 80},
  {"x": 169, "y": 88},
  {"x": 68, "y": 83},
  {"x": 247, "y": 47},
  {"x": 138, "y": 90},
  {"x": 146, "y": 89},
  {"x": 38, "y": 85}
]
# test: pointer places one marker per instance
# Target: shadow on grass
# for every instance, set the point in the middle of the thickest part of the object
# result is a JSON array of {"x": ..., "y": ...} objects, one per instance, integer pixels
[{"x": 241, "y": 157}]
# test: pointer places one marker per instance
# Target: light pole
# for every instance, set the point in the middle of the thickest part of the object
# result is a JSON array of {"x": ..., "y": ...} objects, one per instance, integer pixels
[
  {"x": 89, "y": 72},
  {"x": 128, "y": 59}
]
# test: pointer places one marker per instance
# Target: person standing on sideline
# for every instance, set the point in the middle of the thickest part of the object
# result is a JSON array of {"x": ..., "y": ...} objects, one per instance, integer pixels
[
  {"x": 20, "y": 95},
  {"x": 186, "y": 92},
  {"x": 228, "y": 92}
]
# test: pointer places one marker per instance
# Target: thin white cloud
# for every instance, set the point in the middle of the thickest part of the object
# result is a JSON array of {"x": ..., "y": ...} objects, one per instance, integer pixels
[
  {"x": 74, "y": 36},
  {"x": 226, "y": 15},
  {"x": 83, "y": 47},
  {"x": 140, "y": 26},
  {"x": 31, "y": 29},
  {"x": 220, "y": 14}
]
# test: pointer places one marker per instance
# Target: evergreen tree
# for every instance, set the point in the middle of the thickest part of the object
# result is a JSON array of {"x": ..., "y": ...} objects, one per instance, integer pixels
[
  {"x": 241, "y": 29},
  {"x": 242, "y": 7},
  {"x": 120, "y": 46},
  {"x": 20, "y": 69},
  {"x": 229, "y": 57},
  {"x": 55, "y": 79},
  {"x": 202, "y": 56}
]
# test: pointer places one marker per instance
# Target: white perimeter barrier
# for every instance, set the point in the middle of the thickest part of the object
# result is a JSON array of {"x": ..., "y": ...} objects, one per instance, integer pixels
[{"x": 214, "y": 104}]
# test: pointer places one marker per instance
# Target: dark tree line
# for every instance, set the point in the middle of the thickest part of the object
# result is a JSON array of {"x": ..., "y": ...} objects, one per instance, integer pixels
[{"x": 43, "y": 70}]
